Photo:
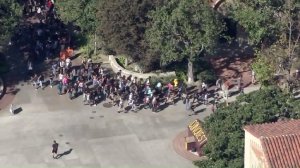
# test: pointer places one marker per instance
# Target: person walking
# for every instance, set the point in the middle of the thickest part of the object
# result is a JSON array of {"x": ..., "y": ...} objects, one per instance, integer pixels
[
  {"x": 34, "y": 81},
  {"x": 120, "y": 104},
  {"x": 41, "y": 81},
  {"x": 51, "y": 80},
  {"x": 59, "y": 88},
  {"x": 218, "y": 84},
  {"x": 206, "y": 98},
  {"x": 54, "y": 149},
  {"x": 253, "y": 78},
  {"x": 188, "y": 106}
]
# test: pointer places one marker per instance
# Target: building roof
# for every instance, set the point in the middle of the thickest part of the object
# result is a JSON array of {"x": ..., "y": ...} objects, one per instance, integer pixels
[
  {"x": 282, "y": 151},
  {"x": 280, "y": 142},
  {"x": 274, "y": 129}
]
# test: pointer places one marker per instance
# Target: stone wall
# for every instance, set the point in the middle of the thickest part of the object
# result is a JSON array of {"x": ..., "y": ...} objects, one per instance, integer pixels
[{"x": 116, "y": 67}]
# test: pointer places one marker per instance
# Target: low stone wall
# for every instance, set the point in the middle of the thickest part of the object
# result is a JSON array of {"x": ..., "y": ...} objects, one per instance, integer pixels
[{"x": 116, "y": 67}]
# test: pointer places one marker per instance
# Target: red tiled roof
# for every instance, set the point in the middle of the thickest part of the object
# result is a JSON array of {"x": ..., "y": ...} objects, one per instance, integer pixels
[
  {"x": 280, "y": 142},
  {"x": 282, "y": 151},
  {"x": 274, "y": 129}
]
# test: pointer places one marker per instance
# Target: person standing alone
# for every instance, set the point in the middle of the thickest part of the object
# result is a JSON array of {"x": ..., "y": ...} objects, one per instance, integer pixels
[{"x": 54, "y": 149}]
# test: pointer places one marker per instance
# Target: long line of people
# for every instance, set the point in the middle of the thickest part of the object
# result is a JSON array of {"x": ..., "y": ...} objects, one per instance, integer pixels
[{"x": 95, "y": 84}]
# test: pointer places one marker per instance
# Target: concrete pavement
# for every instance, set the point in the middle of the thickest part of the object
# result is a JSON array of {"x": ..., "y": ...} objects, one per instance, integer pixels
[{"x": 98, "y": 136}]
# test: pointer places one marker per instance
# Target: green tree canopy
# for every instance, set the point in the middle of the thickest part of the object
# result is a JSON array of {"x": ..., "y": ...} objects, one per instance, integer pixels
[
  {"x": 224, "y": 128},
  {"x": 81, "y": 13},
  {"x": 10, "y": 12},
  {"x": 183, "y": 30},
  {"x": 282, "y": 54},
  {"x": 123, "y": 24},
  {"x": 258, "y": 18},
  {"x": 264, "y": 66}
]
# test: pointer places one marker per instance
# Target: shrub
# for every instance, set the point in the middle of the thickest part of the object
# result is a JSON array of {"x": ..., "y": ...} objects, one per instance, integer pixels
[
  {"x": 181, "y": 75},
  {"x": 154, "y": 80},
  {"x": 163, "y": 80},
  {"x": 168, "y": 79},
  {"x": 121, "y": 60},
  {"x": 207, "y": 76},
  {"x": 80, "y": 40}
]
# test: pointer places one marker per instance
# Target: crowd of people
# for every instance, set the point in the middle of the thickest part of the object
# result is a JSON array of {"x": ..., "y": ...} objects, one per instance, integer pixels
[
  {"x": 92, "y": 81},
  {"x": 95, "y": 84}
]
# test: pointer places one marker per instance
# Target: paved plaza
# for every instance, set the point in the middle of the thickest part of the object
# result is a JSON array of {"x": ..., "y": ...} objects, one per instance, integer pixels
[{"x": 89, "y": 136}]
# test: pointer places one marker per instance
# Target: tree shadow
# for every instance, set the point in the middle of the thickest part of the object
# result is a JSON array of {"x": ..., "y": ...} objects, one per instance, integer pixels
[
  {"x": 22, "y": 47},
  {"x": 233, "y": 59},
  {"x": 12, "y": 91}
]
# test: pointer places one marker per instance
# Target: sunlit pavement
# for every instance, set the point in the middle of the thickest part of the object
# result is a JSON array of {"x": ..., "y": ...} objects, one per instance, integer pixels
[{"x": 98, "y": 136}]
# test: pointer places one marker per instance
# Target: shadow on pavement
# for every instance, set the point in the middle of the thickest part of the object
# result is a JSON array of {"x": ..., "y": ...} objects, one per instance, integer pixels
[{"x": 64, "y": 153}]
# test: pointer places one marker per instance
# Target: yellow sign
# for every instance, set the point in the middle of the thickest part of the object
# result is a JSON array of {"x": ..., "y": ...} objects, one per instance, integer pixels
[{"x": 196, "y": 129}]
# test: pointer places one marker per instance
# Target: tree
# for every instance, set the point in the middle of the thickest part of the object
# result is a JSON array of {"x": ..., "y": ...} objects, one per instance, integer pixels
[
  {"x": 123, "y": 24},
  {"x": 83, "y": 14},
  {"x": 10, "y": 12},
  {"x": 289, "y": 45},
  {"x": 80, "y": 13},
  {"x": 184, "y": 30},
  {"x": 225, "y": 145},
  {"x": 284, "y": 52},
  {"x": 258, "y": 18},
  {"x": 264, "y": 66}
]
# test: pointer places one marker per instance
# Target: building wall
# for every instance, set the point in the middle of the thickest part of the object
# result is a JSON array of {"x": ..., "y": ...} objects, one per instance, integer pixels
[{"x": 253, "y": 156}]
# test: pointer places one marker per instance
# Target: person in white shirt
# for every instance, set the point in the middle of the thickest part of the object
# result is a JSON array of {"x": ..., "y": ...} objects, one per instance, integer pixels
[
  {"x": 253, "y": 77},
  {"x": 206, "y": 98},
  {"x": 68, "y": 62},
  {"x": 39, "y": 10},
  {"x": 62, "y": 64}
]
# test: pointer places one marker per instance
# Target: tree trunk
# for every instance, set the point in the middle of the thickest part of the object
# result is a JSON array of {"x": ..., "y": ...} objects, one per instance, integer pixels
[
  {"x": 190, "y": 72},
  {"x": 95, "y": 44}
]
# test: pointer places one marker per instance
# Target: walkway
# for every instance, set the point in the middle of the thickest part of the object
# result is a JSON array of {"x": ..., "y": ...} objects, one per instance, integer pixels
[{"x": 98, "y": 136}]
